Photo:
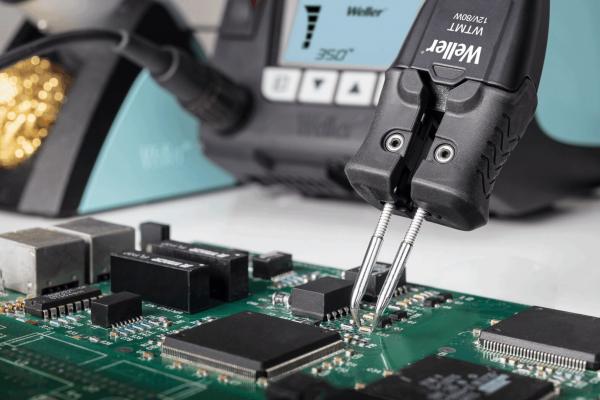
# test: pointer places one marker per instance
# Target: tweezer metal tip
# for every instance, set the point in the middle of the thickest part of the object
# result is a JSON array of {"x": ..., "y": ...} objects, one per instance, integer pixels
[
  {"x": 369, "y": 260},
  {"x": 399, "y": 265}
]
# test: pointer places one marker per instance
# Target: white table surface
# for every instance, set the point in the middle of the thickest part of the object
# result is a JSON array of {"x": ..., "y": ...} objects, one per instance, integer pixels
[{"x": 549, "y": 260}]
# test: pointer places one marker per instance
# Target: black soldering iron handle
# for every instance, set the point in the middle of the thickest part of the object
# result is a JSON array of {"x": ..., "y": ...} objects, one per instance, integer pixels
[
  {"x": 460, "y": 94},
  {"x": 203, "y": 90}
]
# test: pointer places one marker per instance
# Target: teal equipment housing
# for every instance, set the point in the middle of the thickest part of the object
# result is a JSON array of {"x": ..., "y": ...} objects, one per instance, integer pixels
[
  {"x": 151, "y": 152},
  {"x": 569, "y": 93}
]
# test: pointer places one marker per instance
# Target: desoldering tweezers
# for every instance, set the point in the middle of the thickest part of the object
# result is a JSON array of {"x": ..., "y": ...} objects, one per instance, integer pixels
[{"x": 455, "y": 104}]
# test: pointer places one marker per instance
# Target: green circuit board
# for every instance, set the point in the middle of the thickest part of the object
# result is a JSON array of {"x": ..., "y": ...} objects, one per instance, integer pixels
[{"x": 69, "y": 358}]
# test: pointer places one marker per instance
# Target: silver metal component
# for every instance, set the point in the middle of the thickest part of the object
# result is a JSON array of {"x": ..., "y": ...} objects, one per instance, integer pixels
[
  {"x": 399, "y": 265},
  {"x": 36, "y": 259},
  {"x": 394, "y": 142},
  {"x": 369, "y": 260},
  {"x": 444, "y": 153},
  {"x": 101, "y": 238}
]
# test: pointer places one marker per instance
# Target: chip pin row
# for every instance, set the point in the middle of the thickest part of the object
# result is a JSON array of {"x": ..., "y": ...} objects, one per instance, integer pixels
[
  {"x": 61, "y": 311},
  {"x": 533, "y": 355},
  {"x": 337, "y": 314},
  {"x": 127, "y": 322}
]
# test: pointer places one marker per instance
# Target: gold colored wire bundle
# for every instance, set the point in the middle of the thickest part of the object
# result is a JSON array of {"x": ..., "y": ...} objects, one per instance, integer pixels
[{"x": 32, "y": 93}]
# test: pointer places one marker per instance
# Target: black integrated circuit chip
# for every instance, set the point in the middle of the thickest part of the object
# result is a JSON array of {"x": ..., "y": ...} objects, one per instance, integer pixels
[
  {"x": 183, "y": 285},
  {"x": 116, "y": 309},
  {"x": 548, "y": 337},
  {"x": 438, "y": 377},
  {"x": 307, "y": 387},
  {"x": 252, "y": 345},
  {"x": 321, "y": 299},
  {"x": 61, "y": 303},
  {"x": 268, "y": 265},
  {"x": 228, "y": 267}
]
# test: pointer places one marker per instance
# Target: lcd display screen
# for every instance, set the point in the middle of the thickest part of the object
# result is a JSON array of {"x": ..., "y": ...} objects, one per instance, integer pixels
[{"x": 345, "y": 33}]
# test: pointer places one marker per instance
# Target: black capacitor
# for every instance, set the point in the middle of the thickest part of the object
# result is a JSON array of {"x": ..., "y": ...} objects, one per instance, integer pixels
[
  {"x": 446, "y": 296},
  {"x": 228, "y": 268},
  {"x": 154, "y": 232},
  {"x": 163, "y": 280},
  {"x": 433, "y": 301},
  {"x": 116, "y": 308},
  {"x": 385, "y": 321},
  {"x": 268, "y": 265},
  {"x": 398, "y": 315}
]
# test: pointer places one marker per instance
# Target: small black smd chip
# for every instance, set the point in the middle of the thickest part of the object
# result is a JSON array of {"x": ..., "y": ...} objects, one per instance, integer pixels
[
  {"x": 438, "y": 377},
  {"x": 268, "y": 265},
  {"x": 322, "y": 299},
  {"x": 548, "y": 337},
  {"x": 252, "y": 345},
  {"x": 376, "y": 279}
]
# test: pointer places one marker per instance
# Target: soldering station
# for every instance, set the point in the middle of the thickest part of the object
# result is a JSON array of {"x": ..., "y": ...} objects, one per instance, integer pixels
[{"x": 472, "y": 117}]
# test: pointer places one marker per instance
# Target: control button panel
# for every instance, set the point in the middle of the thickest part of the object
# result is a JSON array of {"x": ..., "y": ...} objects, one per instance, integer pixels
[
  {"x": 280, "y": 84},
  {"x": 321, "y": 86}
]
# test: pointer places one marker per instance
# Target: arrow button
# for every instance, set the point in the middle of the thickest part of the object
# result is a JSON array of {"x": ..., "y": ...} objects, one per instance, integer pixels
[
  {"x": 356, "y": 88},
  {"x": 318, "y": 86}
]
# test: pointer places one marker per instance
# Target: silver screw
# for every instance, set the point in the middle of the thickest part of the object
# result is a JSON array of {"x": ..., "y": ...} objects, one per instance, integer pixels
[
  {"x": 444, "y": 153},
  {"x": 394, "y": 142}
]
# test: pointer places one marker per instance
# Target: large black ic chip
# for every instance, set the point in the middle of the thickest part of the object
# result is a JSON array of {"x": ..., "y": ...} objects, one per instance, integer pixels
[
  {"x": 252, "y": 345},
  {"x": 547, "y": 336},
  {"x": 438, "y": 377}
]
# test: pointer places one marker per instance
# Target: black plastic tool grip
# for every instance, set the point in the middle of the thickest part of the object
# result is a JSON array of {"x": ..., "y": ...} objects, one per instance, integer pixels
[
  {"x": 464, "y": 87},
  {"x": 483, "y": 125}
]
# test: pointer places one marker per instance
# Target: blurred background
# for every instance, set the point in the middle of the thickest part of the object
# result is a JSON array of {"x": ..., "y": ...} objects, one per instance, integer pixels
[
  {"x": 548, "y": 258},
  {"x": 202, "y": 16}
]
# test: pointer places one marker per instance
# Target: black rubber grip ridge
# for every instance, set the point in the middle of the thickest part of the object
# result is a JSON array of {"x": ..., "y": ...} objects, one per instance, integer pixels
[{"x": 484, "y": 124}]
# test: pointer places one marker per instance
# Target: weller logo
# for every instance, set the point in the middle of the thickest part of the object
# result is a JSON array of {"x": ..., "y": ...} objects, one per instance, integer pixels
[
  {"x": 354, "y": 11},
  {"x": 456, "y": 51}
]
